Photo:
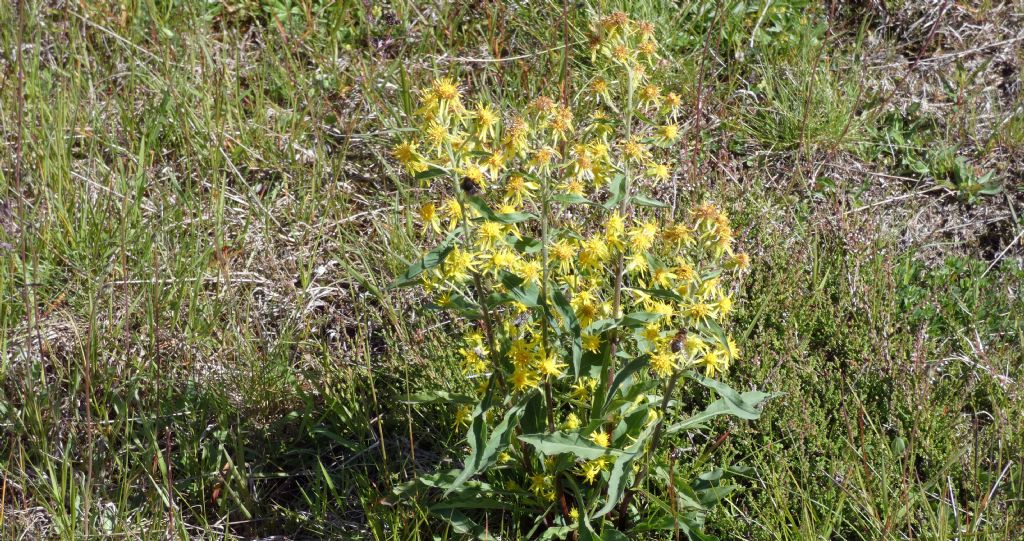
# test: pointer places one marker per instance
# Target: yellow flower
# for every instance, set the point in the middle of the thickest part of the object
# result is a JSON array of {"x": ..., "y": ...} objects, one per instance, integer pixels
[
  {"x": 542, "y": 158},
  {"x": 685, "y": 271},
  {"x": 592, "y": 469},
  {"x": 582, "y": 388},
  {"x": 490, "y": 233},
  {"x": 540, "y": 483},
  {"x": 715, "y": 362},
  {"x": 495, "y": 163},
  {"x": 663, "y": 363},
  {"x": 572, "y": 422},
  {"x": 642, "y": 237},
  {"x": 614, "y": 229},
  {"x": 518, "y": 187},
  {"x": 593, "y": 253},
  {"x": 601, "y": 438},
  {"x": 573, "y": 187},
  {"x": 531, "y": 271},
  {"x": 725, "y": 305},
  {"x": 463, "y": 416},
  {"x": 574, "y": 514},
  {"x": 634, "y": 150},
  {"x": 475, "y": 173},
  {"x": 698, "y": 312},
  {"x": 637, "y": 263},
  {"x": 523, "y": 378},
  {"x": 437, "y": 135},
  {"x": 502, "y": 259},
  {"x": 659, "y": 172},
  {"x": 705, "y": 213},
  {"x": 428, "y": 216},
  {"x": 678, "y": 234},
  {"x": 647, "y": 48},
  {"x": 551, "y": 367},
  {"x": 562, "y": 253},
  {"x": 516, "y": 133},
  {"x": 445, "y": 89},
  {"x": 504, "y": 458},
  {"x": 662, "y": 277},
  {"x": 672, "y": 101},
  {"x": 592, "y": 343},
  {"x": 452, "y": 210},
  {"x": 486, "y": 120},
  {"x": 667, "y": 134},
  {"x": 542, "y": 105},
  {"x": 459, "y": 264},
  {"x": 731, "y": 349},
  {"x": 650, "y": 94},
  {"x": 739, "y": 262},
  {"x": 408, "y": 155},
  {"x": 652, "y": 332},
  {"x": 693, "y": 345},
  {"x": 561, "y": 121},
  {"x": 621, "y": 53},
  {"x": 473, "y": 359}
]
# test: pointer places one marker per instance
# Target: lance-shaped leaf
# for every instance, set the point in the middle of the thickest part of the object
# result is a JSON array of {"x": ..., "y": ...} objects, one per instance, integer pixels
[
  {"x": 575, "y": 444},
  {"x": 621, "y": 377},
  {"x": 645, "y": 201},
  {"x": 431, "y": 172},
  {"x": 490, "y": 215},
  {"x": 744, "y": 406},
  {"x": 638, "y": 319},
  {"x": 572, "y": 327},
  {"x": 430, "y": 397},
  {"x": 432, "y": 259},
  {"x": 617, "y": 187},
  {"x": 484, "y": 455},
  {"x": 623, "y": 467}
]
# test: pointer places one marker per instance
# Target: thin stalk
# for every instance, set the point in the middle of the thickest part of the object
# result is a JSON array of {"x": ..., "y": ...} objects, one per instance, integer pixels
[
  {"x": 670, "y": 387},
  {"x": 623, "y": 207},
  {"x": 545, "y": 330},
  {"x": 477, "y": 281}
]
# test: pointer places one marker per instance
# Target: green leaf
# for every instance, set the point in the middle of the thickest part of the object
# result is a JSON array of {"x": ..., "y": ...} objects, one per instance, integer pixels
[
  {"x": 714, "y": 329},
  {"x": 432, "y": 259},
  {"x": 557, "y": 532},
  {"x": 638, "y": 319},
  {"x": 571, "y": 199},
  {"x": 528, "y": 245},
  {"x": 617, "y": 187},
  {"x": 475, "y": 437},
  {"x": 645, "y": 201},
  {"x": 623, "y": 467},
  {"x": 463, "y": 524},
  {"x": 660, "y": 293},
  {"x": 732, "y": 403},
  {"x": 431, "y": 172},
  {"x": 430, "y": 397},
  {"x": 490, "y": 215},
  {"x": 483, "y": 456},
  {"x": 622, "y": 377},
  {"x": 557, "y": 443},
  {"x": 572, "y": 327},
  {"x": 516, "y": 290}
]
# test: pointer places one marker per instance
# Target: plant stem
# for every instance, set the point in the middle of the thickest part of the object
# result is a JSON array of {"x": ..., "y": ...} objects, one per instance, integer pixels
[
  {"x": 623, "y": 207},
  {"x": 670, "y": 386}
]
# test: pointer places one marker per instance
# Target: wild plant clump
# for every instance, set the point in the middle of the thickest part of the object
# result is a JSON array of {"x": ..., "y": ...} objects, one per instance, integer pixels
[{"x": 586, "y": 301}]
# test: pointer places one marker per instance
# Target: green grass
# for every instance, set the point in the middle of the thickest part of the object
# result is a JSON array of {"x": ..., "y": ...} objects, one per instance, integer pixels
[{"x": 196, "y": 336}]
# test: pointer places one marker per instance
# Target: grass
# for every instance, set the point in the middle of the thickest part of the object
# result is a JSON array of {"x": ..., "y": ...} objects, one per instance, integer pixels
[{"x": 196, "y": 336}]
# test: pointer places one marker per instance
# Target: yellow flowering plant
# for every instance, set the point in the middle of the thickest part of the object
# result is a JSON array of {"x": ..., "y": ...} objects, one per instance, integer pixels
[{"x": 586, "y": 301}]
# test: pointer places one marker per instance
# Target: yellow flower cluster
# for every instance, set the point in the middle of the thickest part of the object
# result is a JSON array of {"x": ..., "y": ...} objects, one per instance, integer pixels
[{"x": 536, "y": 215}]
